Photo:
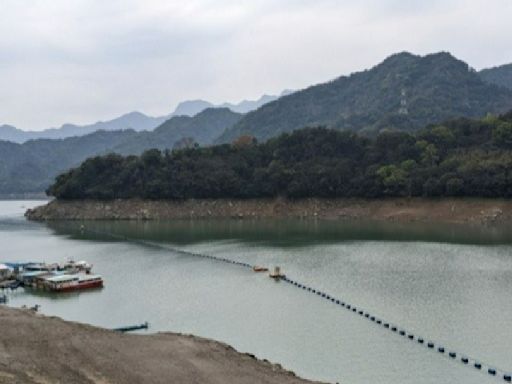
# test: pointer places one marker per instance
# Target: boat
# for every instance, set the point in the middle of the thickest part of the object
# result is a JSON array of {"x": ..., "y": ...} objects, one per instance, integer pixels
[
  {"x": 77, "y": 266},
  {"x": 258, "y": 268},
  {"x": 75, "y": 282},
  {"x": 276, "y": 273}
]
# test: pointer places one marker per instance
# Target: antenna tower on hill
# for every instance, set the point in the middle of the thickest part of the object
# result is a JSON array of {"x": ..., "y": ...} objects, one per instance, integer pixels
[{"x": 403, "y": 104}]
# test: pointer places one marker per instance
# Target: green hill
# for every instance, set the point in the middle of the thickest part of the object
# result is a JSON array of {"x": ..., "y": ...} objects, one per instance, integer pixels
[
  {"x": 433, "y": 88},
  {"x": 501, "y": 75},
  {"x": 458, "y": 158},
  {"x": 203, "y": 128},
  {"x": 30, "y": 167}
]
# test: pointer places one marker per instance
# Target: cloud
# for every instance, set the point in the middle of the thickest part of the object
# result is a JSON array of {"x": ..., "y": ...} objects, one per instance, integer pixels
[{"x": 84, "y": 60}]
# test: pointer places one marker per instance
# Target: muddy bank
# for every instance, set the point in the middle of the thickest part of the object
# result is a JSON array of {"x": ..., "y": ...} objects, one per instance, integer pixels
[
  {"x": 38, "y": 349},
  {"x": 476, "y": 211}
]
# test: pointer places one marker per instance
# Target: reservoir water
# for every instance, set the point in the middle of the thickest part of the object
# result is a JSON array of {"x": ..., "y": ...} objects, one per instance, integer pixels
[{"x": 451, "y": 284}]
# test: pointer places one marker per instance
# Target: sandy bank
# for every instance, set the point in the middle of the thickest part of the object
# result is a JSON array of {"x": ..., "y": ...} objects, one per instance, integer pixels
[
  {"x": 476, "y": 211},
  {"x": 38, "y": 349}
]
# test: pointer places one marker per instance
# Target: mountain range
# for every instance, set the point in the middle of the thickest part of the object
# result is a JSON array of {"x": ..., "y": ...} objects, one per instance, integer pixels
[
  {"x": 404, "y": 92},
  {"x": 30, "y": 167},
  {"x": 133, "y": 120}
]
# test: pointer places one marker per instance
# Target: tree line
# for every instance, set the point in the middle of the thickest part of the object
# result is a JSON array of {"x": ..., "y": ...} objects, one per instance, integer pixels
[{"x": 461, "y": 157}]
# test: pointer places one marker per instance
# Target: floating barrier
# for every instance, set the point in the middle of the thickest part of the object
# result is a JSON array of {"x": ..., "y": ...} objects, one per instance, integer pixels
[{"x": 465, "y": 359}]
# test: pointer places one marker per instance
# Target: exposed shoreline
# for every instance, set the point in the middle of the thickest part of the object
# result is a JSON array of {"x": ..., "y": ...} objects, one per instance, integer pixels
[
  {"x": 40, "y": 349},
  {"x": 447, "y": 210}
]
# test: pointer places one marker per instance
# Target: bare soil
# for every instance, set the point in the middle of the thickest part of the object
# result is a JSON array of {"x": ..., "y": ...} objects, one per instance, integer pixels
[
  {"x": 38, "y": 349},
  {"x": 449, "y": 210}
]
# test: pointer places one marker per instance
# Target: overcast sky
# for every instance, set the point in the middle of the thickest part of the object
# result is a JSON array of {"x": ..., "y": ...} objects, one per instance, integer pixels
[{"x": 81, "y": 61}]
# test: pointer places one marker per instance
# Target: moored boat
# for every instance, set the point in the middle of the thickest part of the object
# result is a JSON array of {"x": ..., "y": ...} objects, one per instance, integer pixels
[
  {"x": 78, "y": 266},
  {"x": 65, "y": 283}
]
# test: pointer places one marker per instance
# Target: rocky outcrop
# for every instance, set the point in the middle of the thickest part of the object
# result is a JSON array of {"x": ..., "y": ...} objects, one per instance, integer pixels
[{"x": 480, "y": 211}]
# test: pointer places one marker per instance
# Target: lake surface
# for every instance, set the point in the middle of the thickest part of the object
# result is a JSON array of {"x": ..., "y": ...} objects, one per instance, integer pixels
[{"x": 451, "y": 284}]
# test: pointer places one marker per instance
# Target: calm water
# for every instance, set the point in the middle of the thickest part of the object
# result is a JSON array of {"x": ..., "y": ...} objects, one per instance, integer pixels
[{"x": 450, "y": 284}]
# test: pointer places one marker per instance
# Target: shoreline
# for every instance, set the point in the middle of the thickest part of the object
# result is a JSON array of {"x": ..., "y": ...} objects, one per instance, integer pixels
[
  {"x": 477, "y": 211},
  {"x": 32, "y": 348}
]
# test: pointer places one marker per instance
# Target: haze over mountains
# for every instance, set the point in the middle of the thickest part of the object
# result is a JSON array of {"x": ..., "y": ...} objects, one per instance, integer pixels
[
  {"x": 133, "y": 120},
  {"x": 404, "y": 92}
]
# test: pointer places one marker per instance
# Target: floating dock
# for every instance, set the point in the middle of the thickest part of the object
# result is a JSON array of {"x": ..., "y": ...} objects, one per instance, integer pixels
[{"x": 132, "y": 328}]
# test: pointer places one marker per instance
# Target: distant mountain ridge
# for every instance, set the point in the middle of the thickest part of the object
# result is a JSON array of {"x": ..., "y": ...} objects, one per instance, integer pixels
[
  {"x": 133, "y": 120},
  {"x": 30, "y": 167},
  {"x": 404, "y": 92}
]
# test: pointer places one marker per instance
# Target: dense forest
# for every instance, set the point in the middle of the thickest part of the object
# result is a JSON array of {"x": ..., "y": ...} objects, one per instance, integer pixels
[
  {"x": 434, "y": 88},
  {"x": 461, "y": 157}
]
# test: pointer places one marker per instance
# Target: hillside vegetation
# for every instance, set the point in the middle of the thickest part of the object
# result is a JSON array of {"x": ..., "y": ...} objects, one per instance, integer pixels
[
  {"x": 501, "y": 75},
  {"x": 32, "y": 166},
  {"x": 434, "y": 88},
  {"x": 458, "y": 158}
]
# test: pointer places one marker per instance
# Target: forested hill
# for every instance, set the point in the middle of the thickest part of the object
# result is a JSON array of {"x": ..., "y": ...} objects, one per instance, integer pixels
[
  {"x": 203, "y": 128},
  {"x": 32, "y": 166},
  {"x": 434, "y": 88},
  {"x": 501, "y": 75},
  {"x": 458, "y": 158}
]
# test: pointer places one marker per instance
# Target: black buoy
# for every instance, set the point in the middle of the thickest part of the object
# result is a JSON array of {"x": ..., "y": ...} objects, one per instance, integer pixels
[
  {"x": 386, "y": 325},
  {"x": 348, "y": 306},
  {"x": 465, "y": 360},
  {"x": 430, "y": 345},
  {"x": 372, "y": 318},
  {"x": 507, "y": 378},
  {"x": 361, "y": 313},
  {"x": 440, "y": 349},
  {"x": 411, "y": 337},
  {"x": 491, "y": 371},
  {"x": 420, "y": 340},
  {"x": 366, "y": 315},
  {"x": 453, "y": 355},
  {"x": 379, "y": 321},
  {"x": 337, "y": 302},
  {"x": 402, "y": 333},
  {"x": 478, "y": 366},
  {"x": 393, "y": 329}
]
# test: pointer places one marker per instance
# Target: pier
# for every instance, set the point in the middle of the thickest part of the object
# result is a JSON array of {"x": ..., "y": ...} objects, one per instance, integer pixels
[{"x": 132, "y": 328}]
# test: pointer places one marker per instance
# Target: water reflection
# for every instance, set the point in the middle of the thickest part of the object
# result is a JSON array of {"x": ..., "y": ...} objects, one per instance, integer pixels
[{"x": 285, "y": 233}]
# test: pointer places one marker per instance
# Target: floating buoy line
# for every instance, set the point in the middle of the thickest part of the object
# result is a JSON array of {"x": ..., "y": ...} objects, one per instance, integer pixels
[{"x": 429, "y": 344}]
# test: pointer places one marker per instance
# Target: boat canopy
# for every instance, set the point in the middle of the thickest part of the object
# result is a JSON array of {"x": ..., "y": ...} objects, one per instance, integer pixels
[
  {"x": 33, "y": 273},
  {"x": 89, "y": 277},
  {"x": 62, "y": 278}
]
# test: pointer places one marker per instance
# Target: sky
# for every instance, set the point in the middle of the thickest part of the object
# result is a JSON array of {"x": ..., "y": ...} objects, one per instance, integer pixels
[{"x": 81, "y": 61}]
